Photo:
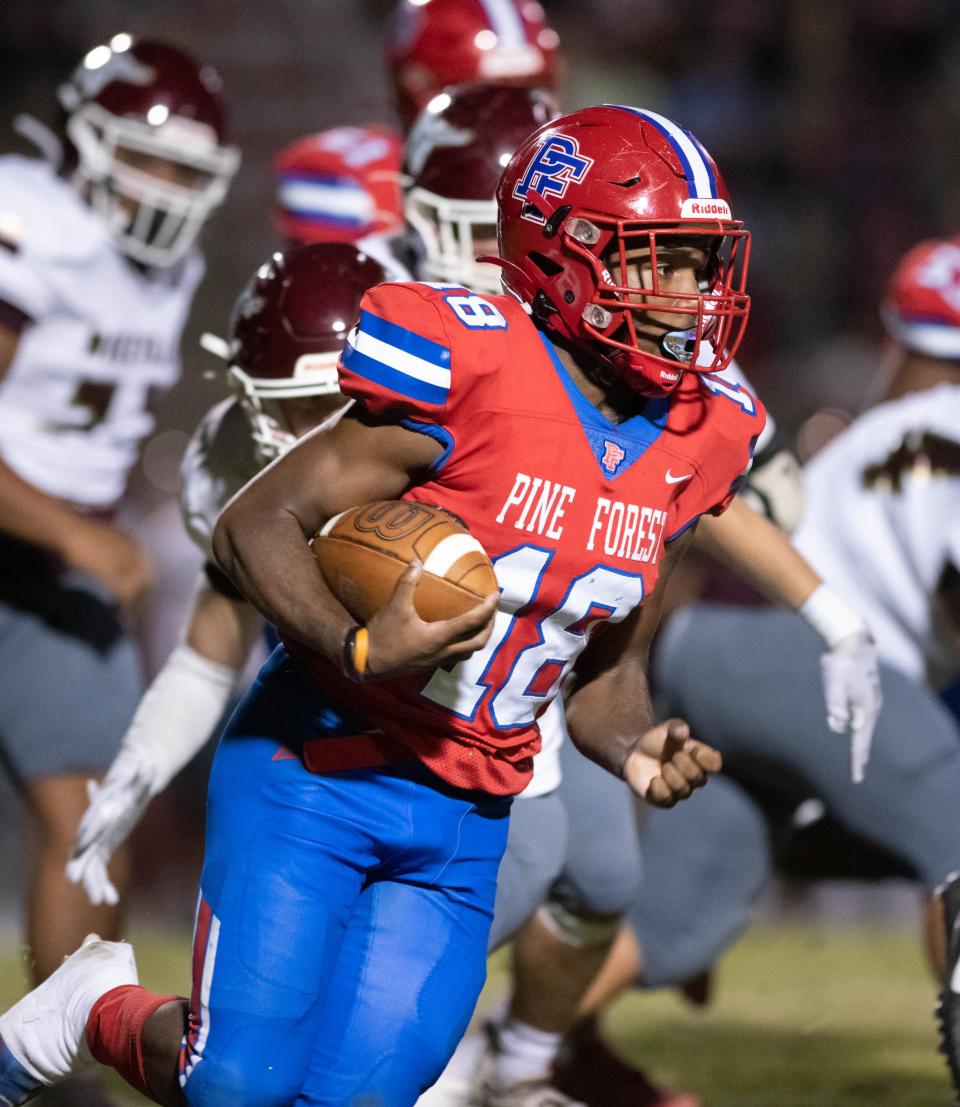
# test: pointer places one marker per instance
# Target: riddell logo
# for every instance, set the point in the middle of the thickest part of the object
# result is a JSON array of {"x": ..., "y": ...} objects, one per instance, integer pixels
[{"x": 709, "y": 209}]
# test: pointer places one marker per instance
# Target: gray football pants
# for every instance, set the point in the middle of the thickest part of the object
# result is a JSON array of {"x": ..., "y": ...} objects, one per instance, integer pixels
[
  {"x": 578, "y": 845},
  {"x": 69, "y": 677},
  {"x": 748, "y": 682}
]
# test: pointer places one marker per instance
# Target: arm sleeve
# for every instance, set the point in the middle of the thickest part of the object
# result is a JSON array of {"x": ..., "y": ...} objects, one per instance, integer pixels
[
  {"x": 397, "y": 361},
  {"x": 177, "y": 714}
]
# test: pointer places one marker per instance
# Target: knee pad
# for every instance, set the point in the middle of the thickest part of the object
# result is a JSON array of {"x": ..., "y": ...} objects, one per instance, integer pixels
[{"x": 581, "y": 930}]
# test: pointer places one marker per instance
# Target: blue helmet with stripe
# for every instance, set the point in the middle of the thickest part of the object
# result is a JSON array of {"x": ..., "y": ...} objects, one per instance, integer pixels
[{"x": 605, "y": 190}]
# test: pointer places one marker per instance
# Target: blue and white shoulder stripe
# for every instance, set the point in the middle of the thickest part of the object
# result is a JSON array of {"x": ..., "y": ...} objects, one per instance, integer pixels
[{"x": 398, "y": 359}]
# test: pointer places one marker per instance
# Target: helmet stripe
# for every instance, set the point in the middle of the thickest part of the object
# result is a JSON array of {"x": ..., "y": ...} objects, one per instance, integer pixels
[
  {"x": 701, "y": 179},
  {"x": 506, "y": 22},
  {"x": 337, "y": 199}
]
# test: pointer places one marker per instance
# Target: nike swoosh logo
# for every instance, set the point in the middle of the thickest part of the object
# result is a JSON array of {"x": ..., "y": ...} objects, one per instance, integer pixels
[{"x": 671, "y": 479}]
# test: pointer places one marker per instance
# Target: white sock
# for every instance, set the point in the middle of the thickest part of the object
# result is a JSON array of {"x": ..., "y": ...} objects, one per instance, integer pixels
[{"x": 525, "y": 1053}]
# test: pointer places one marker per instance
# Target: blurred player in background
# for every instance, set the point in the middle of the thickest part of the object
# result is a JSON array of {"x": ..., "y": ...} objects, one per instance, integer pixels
[
  {"x": 314, "y": 978},
  {"x": 98, "y": 267},
  {"x": 341, "y": 185},
  {"x": 345, "y": 184},
  {"x": 431, "y": 46},
  {"x": 287, "y": 332},
  {"x": 880, "y": 521}
]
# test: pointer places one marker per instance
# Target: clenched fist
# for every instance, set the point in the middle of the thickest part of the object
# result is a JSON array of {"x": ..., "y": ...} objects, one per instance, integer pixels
[{"x": 666, "y": 764}]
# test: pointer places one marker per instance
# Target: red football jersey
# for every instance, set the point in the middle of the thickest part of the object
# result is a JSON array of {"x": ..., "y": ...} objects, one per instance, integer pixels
[{"x": 573, "y": 510}]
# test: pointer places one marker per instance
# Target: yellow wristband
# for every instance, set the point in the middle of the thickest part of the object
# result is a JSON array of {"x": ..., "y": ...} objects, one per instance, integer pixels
[{"x": 361, "y": 647}]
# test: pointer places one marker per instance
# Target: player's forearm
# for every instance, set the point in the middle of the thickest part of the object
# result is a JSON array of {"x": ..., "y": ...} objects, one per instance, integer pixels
[
  {"x": 267, "y": 556},
  {"x": 222, "y": 629},
  {"x": 33, "y": 516},
  {"x": 758, "y": 551},
  {"x": 607, "y": 716}
]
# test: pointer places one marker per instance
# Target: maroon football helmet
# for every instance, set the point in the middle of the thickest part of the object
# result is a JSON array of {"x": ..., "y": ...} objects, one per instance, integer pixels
[
  {"x": 921, "y": 308},
  {"x": 594, "y": 186},
  {"x": 453, "y": 159},
  {"x": 287, "y": 331},
  {"x": 128, "y": 103},
  {"x": 435, "y": 43}
]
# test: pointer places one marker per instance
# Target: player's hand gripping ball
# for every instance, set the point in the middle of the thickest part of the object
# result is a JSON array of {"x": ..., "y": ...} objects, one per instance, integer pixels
[{"x": 363, "y": 552}]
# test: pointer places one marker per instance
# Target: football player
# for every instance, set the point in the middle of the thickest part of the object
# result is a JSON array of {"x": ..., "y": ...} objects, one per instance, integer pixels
[
  {"x": 880, "y": 520},
  {"x": 287, "y": 331},
  {"x": 347, "y": 889},
  {"x": 98, "y": 267}
]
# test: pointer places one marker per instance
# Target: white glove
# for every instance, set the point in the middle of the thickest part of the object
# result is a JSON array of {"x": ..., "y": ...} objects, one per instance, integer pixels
[
  {"x": 849, "y": 671},
  {"x": 115, "y": 809},
  {"x": 851, "y": 687},
  {"x": 175, "y": 718}
]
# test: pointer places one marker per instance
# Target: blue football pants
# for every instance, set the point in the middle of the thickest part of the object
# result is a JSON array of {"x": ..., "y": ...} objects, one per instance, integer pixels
[{"x": 342, "y": 930}]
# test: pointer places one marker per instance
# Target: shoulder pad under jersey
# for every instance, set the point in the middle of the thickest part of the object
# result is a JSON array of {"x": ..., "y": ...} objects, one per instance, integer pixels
[{"x": 218, "y": 462}]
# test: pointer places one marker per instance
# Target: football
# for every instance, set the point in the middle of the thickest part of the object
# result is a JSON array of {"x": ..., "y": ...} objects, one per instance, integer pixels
[{"x": 363, "y": 552}]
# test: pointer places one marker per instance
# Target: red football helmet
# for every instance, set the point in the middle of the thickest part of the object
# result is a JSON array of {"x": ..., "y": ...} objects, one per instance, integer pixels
[
  {"x": 589, "y": 188},
  {"x": 287, "y": 331},
  {"x": 435, "y": 43},
  {"x": 453, "y": 159},
  {"x": 128, "y": 103},
  {"x": 921, "y": 309},
  {"x": 339, "y": 185}
]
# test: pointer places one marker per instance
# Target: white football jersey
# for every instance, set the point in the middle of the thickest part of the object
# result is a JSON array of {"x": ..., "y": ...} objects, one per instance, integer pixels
[
  {"x": 104, "y": 339},
  {"x": 219, "y": 461},
  {"x": 882, "y": 520}
]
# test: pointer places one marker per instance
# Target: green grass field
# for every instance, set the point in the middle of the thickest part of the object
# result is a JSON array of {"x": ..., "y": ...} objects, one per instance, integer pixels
[{"x": 802, "y": 1017}]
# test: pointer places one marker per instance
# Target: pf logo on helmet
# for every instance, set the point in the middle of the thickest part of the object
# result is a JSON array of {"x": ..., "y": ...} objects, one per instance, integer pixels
[{"x": 556, "y": 165}]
